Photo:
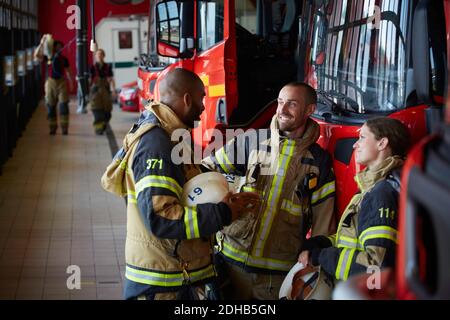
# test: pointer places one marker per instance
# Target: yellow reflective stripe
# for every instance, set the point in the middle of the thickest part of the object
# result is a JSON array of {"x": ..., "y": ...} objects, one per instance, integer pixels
[
  {"x": 339, "y": 265},
  {"x": 191, "y": 223},
  {"x": 347, "y": 242},
  {"x": 123, "y": 165},
  {"x": 159, "y": 182},
  {"x": 274, "y": 197},
  {"x": 332, "y": 238},
  {"x": 323, "y": 192},
  {"x": 383, "y": 232},
  {"x": 348, "y": 264},
  {"x": 167, "y": 279},
  {"x": 344, "y": 263},
  {"x": 132, "y": 197},
  {"x": 224, "y": 161},
  {"x": 64, "y": 120},
  {"x": 291, "y": 207},
  {"x": 234, "y": 253},
  {"x": 99, "y": 125},
  {"x": 352, "y": 240},
  {"x": 216, "y": 91},
  {"x": 251, "y": 189},
  {"x": 257, "y": 262}
]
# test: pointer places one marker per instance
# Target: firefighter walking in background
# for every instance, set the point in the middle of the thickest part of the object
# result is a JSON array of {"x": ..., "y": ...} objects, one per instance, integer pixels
[
  {"x": 367, "y": 232},
  {"x": 55, "y": 85},
  {"x": 294, "y": 176},
  {"x": 102, "y": 93}
]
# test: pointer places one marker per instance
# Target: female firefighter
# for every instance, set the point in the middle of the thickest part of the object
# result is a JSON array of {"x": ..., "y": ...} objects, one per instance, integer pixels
[
  {"x": 102, "y": 92},
  {"x": 367, "y": 232}
]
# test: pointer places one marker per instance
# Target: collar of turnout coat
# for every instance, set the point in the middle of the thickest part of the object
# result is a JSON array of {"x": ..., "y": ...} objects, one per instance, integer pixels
[
  {"x": 169, "y": 121},
  {"x": 366, "y": 179},
  {"x": 312, "y": 132}
]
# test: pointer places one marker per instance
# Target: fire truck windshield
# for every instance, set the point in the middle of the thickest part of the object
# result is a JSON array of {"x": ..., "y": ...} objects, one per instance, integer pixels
[{"x": 358, "y": 53}]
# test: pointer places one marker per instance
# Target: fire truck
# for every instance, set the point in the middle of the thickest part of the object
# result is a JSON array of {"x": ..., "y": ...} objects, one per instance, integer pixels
[{"x": 366, "y": 59}]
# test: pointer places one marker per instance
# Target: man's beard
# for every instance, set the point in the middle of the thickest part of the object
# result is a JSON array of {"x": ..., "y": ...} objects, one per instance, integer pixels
[
  {"x": 286, "y": 126},
  {"x": 291, "y": 125}
]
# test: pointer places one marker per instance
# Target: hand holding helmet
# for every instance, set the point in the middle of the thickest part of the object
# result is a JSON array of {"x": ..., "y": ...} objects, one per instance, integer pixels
[
  {"x": 240, "y": 203},
  {"x": 303, "y": 258}
]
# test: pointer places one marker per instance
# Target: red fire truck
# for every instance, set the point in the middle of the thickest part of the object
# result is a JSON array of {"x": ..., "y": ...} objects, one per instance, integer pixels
[{"x": 365, "y": 58}]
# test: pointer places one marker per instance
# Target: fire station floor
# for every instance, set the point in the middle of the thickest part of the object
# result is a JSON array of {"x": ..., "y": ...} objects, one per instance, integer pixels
[{"x": 55, "y": 214}]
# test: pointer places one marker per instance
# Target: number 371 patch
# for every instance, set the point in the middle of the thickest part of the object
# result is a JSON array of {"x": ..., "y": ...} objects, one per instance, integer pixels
[{"x": 154, "y": 164}]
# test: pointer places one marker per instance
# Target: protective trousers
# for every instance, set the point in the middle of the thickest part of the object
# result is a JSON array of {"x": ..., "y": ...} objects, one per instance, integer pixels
[
  {"x": 101, "y": 104},
  {"x": 243, "y": 285},
  {"x": 56, "y": 91}
]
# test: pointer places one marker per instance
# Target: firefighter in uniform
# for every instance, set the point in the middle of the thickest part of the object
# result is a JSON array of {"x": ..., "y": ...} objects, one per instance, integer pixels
[
  {"x": 294, "y": 176},
  {"x": 367, "y": 231},
  {"x": 168, "y": 247},
  {"x": 102, "y": 91},
  {"x": 55, "y": 85}
]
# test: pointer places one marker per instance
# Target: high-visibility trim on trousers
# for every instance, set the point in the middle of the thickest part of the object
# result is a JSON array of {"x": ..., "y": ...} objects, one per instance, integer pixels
[
  {"x": 162, "y": 279},
  {"x": 257, "y": 262}
]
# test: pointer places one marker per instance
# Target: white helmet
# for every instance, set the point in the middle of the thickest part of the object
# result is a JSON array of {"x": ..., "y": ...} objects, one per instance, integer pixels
[
  {"x": 209, "y": 187},
  {"x": 309, "y": 283}
]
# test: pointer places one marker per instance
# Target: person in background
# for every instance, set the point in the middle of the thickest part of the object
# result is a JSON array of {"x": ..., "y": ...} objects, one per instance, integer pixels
[
  {"x": 55, "y": 84},
  {"x": 102, "y": 92}
]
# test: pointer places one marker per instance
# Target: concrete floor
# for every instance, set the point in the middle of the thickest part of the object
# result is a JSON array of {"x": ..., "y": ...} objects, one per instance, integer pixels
[{"x": 54, "y": 213}]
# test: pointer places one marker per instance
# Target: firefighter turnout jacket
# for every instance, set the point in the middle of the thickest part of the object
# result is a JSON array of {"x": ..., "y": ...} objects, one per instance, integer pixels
[
  {"x": 297, "y": 185},
  {"x": 167, "y": 245},
  {"x": 367, "y": 231}
]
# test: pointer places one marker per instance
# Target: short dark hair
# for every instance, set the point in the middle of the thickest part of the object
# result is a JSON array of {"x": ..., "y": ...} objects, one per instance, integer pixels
[
  {"x": 395, "y": 131},
  {"x": 311, "y": 94},
  {"x": 176, "y": 83}
]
